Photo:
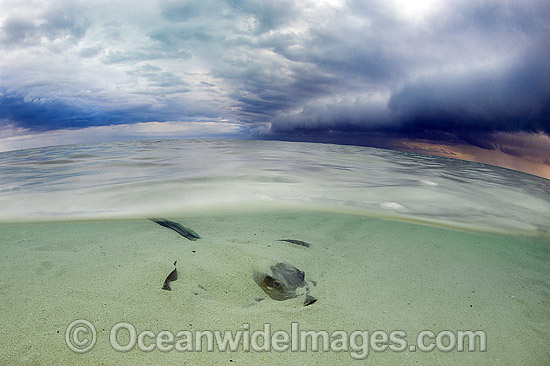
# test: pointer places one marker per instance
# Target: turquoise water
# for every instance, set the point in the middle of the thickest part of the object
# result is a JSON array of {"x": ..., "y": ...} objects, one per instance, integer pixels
[{"x": 140, "y": 178}]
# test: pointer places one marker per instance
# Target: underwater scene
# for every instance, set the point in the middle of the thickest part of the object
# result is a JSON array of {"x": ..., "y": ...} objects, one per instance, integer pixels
[{"x": 180, "y": 252}]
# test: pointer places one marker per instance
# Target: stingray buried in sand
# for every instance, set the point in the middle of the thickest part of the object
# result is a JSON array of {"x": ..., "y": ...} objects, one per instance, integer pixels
[{"x": 283, "y": 281}]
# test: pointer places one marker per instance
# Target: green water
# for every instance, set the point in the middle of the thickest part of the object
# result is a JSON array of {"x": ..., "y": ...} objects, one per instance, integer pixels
[{"x": 370, "y": 274}]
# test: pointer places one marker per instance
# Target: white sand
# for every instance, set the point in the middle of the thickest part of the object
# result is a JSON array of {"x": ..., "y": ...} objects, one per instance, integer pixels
[{"x": 371, "y": 274}]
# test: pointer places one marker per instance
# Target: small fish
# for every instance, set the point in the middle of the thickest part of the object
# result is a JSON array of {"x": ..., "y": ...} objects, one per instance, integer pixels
[
  {"x": 171, "y": 277},
  {"x": 297, "y": 242},
  {"x": 180, "y": 229}
]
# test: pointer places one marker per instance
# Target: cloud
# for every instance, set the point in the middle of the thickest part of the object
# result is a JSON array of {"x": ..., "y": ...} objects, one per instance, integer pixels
[
  {"x": 20, "y": 138},
  {"x": 31, "y": 113},
  {"x": 514, "y": 99},
  {"x": 521, "y": 151},
  {"x": 479, "y": 69},
  {"x": 62, "y": 25},
  {"x": 454, "y": 71}
]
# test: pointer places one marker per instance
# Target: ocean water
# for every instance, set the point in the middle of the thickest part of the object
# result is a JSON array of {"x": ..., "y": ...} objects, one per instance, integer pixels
[
  {"x": 400, "y": 241},
  {"x": 141, "y": 178}
]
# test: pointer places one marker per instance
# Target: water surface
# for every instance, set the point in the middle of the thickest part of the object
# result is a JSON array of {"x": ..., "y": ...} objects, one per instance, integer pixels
[{"x": 140, "y": 178}]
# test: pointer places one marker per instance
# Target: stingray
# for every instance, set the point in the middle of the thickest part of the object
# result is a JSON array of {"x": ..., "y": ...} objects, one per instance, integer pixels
[
  {"x": 180, "y": 229},
  {"x": 284, "y": 281},
  {"x": 170, "y": 278},
  {"x": 297, "y": 242}
]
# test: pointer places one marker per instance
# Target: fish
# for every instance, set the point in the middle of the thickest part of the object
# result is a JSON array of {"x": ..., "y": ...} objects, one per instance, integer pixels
[
  {"x": 309, "y": 300},
  {"x": 180, "y": 229},
  {"x": 170, "y": 278},
  {"x": 283, "y": 282},
  {"x": 297, "y": 242}
]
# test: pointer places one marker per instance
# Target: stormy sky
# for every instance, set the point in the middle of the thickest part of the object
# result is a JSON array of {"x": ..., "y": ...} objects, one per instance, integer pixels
[{"x": 361, "y": 71}]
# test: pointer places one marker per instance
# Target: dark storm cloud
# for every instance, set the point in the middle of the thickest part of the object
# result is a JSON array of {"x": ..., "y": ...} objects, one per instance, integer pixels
[
  {"x": 31, "y": 114},
  {"x": 511, "y": 101},
  {"x": 465, "y": 105}
]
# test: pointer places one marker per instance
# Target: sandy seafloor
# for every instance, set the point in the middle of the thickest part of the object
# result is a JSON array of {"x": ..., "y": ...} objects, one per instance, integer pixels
[{"x": 371, "y": 274}]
